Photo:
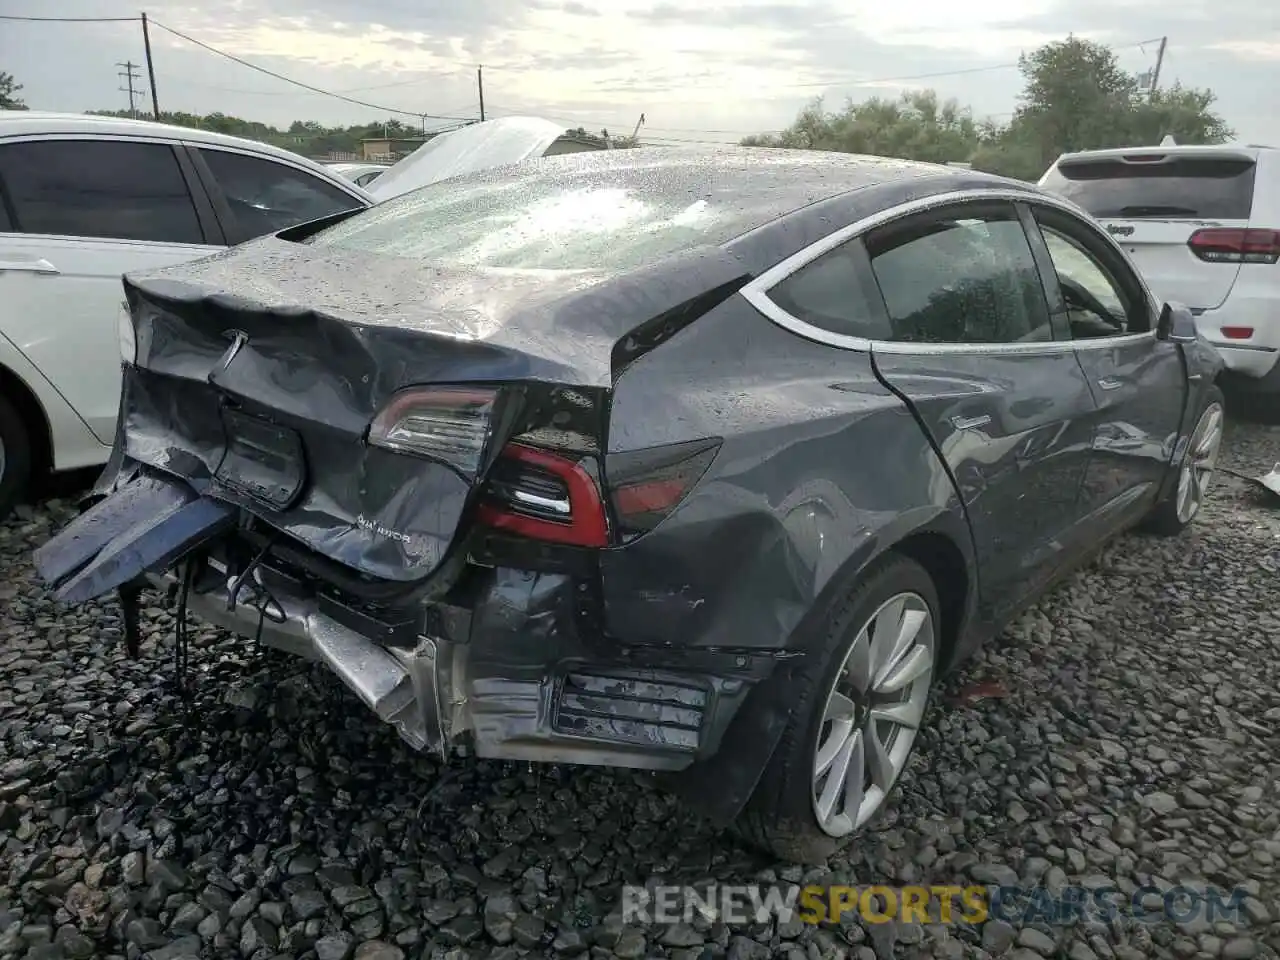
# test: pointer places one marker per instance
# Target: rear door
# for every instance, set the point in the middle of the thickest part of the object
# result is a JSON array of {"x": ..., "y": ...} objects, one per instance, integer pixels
[
  {"x": 83, "y": 211},
  {"x": 1156, "y": 205},
  {"x": 1138, "y": 382},
  {"x": 973, "y": 350}
]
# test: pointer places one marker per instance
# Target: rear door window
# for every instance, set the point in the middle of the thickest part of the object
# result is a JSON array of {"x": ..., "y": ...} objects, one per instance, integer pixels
[
  {"x": 966, "y": 275},
  {"x": 1213, "y": 188},
  {"x": 266, "y": 196},
  {"x": 109, "y": 189}
]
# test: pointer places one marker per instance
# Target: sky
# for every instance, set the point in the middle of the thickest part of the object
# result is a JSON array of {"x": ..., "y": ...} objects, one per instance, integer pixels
[{"x": 700, "y": 71}]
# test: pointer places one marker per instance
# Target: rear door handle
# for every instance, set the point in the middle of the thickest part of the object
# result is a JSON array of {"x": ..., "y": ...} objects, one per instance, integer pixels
[
  {"x": 28, "y": 266},
  {"x": 1110, "y": 383}
]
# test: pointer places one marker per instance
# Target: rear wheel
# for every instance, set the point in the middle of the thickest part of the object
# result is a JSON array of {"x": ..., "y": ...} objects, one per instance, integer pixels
[
  {"x": 15, "y": 457},
  {"x": 1174, "y": 514},
  {"x": 852, "y": 734}
]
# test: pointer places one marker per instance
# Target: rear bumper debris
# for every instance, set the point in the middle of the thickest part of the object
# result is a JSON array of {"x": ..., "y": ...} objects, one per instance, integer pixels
[
  {"x": 514, "y": 661},
  {"x": 439, "y": 689}
]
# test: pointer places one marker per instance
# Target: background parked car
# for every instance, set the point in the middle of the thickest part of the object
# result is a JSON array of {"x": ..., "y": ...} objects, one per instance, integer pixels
[
  {"x": 476, "y": 147},
  {"x": 86, "y": 199},
  {"x": 707, "y": 462},
  {"x": 1203, "y": 225},
  {"x": 361, "y": 174}
]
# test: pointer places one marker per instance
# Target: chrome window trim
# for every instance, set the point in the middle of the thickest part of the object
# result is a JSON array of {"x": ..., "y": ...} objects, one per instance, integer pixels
[{"x": 756, "y": 292}]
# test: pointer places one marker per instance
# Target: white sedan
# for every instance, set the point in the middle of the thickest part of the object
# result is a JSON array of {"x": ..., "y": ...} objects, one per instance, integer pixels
[{"x": 85, "y": 199}]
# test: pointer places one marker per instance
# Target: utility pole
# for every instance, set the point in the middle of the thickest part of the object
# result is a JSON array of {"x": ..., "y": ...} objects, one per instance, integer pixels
[
  {"x": 1155, "y": 74},
  {"x": 130, "y": 74},
  {"x": 480, "y": 83},
  {"x": 151, "y": 69}
]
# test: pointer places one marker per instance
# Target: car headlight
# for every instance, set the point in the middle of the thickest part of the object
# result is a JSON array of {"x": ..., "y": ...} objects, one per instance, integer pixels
[{"x": 124, "y": 332}]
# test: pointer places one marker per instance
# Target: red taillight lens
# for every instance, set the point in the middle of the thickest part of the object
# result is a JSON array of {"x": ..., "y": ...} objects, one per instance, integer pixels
[
  {"x": 646, "y": 485},
  {"x": 543, "y": 495},
  {"x": 449, "y": 424},
  {"x": 1236, "y": 245},
  {"x": 1237, "y": 333}
]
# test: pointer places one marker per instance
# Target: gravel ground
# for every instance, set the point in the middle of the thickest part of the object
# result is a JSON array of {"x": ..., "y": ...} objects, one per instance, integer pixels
[{"x": 1132, "y": 736}]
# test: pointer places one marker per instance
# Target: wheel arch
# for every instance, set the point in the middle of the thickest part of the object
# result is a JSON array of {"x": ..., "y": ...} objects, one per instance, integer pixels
[
  {"x": 34, "y": 417},
  {"x": 720, "y": 786}
]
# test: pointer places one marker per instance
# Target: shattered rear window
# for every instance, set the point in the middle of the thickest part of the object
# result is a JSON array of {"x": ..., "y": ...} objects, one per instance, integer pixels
[{"x": 587, "y": 221}]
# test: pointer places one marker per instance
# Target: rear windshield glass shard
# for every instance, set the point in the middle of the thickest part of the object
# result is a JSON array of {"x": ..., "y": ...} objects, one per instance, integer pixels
[{"x": 579, "y": 221}]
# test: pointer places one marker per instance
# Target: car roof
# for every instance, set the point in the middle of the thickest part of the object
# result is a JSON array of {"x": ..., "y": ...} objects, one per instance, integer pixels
[
  {"x": 15, "y": 123},
  {"x": 771, "y": 182}
]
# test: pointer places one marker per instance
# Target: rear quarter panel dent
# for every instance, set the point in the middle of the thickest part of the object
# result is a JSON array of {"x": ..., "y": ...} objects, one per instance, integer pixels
[{"x": 821, "y": 470}]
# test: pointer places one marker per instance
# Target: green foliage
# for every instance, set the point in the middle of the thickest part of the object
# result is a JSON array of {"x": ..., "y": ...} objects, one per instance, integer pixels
[
  {"x": 1075, "y": 97},
  {"x": 917, "y": 126},
  {"x": 9, "y": 93},
  {"x": 301, "y": 136},
  {"x": 314, "y": 139}
]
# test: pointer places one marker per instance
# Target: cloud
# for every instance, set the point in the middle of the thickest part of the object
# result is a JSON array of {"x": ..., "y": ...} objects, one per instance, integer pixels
[
  {"x": 1251, "y": 49},
  {"x": 698, "y": 70}
]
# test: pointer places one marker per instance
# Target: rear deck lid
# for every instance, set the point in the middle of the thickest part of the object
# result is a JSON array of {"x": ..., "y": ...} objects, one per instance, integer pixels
[{"x": 1158, "y": 204}]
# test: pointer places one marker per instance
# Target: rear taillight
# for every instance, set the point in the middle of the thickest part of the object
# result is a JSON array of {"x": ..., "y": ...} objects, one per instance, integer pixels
[
  {"x": 1236, "y": 245},
  {"x": 448, "y": 424},
  {"x": 1237, "y": 333},
  {"x": 543, "y": 495},
  {"x": 646, "y": 485}
]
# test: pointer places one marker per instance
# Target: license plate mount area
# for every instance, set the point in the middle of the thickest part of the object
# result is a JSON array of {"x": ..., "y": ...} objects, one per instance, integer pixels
[{"x": 263, "y": 460}]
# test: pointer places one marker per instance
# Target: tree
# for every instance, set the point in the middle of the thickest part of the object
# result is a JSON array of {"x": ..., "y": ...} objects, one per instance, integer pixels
[
  {"x": 916, "y": 126},
  {"x": 9, "y": 93},
  {"x": 1075, "y": 97}
]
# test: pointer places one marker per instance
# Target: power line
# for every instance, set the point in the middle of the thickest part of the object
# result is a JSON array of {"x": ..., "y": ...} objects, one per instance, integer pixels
[
  {"x": 305, "y": 86},
  {"x": 72, "y": 19}
]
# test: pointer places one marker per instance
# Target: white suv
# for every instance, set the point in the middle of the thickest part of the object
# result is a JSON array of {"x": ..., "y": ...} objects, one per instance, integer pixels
[
  {"x": 84, "y": 200},
  {"x": 1203, "y": 226}
]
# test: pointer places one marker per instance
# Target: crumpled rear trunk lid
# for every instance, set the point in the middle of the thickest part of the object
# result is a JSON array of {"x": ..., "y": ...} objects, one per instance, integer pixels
[
  {"x": 264, "y": 397},
  {"x": 259, "y": 372}
]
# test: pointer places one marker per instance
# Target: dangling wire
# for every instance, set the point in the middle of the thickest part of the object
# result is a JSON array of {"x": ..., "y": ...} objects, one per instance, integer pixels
[
  {"x": 266, "y": 600},
  {"x": 181, "y": 649}
]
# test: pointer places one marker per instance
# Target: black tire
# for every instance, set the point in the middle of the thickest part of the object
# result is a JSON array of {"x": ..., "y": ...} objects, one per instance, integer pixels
[
  {"x": 15, "y": 471},
  {"x": 1164, "y": 520},
  {"x": 779, "y": 818}
]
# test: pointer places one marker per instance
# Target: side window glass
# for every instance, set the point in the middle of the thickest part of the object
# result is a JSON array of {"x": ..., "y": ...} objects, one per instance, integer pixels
[
  {"x": 1097, "y": 305},
  {"x": 6, "y": 225},
  {"x": 832, "y": 293},
  {"x": 968, "y": 277},
  {"x": 109, "y": 189},
  {"x": 266, "y": 196}
]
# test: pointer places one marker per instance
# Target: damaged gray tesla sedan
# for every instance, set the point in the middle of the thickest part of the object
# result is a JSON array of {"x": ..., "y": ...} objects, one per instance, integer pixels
[{"x": 708, "y": 463}]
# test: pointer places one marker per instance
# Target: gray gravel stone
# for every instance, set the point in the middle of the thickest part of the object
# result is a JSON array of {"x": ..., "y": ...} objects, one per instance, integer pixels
[{"x": 285, "y": 821}]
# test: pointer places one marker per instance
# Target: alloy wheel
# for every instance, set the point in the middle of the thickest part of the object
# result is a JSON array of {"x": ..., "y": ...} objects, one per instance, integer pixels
[
  {"x": 872, "y": 714},
  {"x": 1198, "y": 465}
]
